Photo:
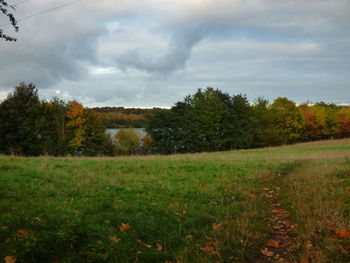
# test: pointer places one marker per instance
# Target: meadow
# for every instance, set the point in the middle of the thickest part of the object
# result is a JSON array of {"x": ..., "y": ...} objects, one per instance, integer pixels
[{"x": 205, "y": 207}]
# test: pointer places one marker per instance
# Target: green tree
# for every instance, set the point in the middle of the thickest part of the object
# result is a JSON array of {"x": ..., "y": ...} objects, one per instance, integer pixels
[
  {"x": 209, "y": 120},
  {"x": 54, "y": 127},
  {"x": 261, "y": 121},
  {"x": 287, "y": 120},
  {"x": 20, "y": 116}
]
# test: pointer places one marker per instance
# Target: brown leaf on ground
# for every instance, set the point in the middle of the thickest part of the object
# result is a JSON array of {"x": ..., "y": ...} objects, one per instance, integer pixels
[
  {"x": 308, "y": 244},
  {"x": 22, "y": 233},
  {"x": 114, "y": 239},
  {"x": 202, "y": 186},
  {"x": 277, "y": 227},
  {"x": 267, "y": 252},
  {"x": 265, "y": 189},
  {"x": 159, "y": 246},
  {"x": 124, "y": 227},
  {"x": 342, "y": 233},
  {"x": 347, "y": 247},
  {"x": 277, "y": 188},
  {"x": 10, "y": 259},
  {"x": 212, "y": 243},
  {"x": 209, "y": 250},
  {"x": 272, "y": 243},
  {"x": 218, "y": 226},
  {"x": 250, "y": 195},
  {"x": 331, "y": 228},
  {"x": 278, "y": 210}
]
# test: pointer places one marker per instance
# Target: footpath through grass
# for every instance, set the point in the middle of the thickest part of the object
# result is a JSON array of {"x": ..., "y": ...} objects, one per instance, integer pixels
[{"x": 182, "y": 208}]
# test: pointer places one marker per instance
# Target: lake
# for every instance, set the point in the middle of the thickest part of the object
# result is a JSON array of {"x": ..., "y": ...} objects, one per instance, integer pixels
[{"x": 140, "y": 131}]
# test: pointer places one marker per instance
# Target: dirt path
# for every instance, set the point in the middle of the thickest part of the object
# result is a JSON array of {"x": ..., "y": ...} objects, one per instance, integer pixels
[{"x": 279, "y": 247}]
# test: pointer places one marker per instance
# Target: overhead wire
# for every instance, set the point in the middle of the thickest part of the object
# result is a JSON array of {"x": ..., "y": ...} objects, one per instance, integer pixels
[
  {"x": 19, "y": 3},
  {"x": 42, "y": 12}
]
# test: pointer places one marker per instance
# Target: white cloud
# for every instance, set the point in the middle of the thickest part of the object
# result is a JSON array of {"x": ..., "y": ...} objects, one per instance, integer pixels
[{"x": 144, "y": 51}]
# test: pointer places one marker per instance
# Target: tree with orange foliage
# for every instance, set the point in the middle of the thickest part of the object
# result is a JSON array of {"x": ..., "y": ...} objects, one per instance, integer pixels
[
  {"x": 76, "y": 123},
  {"x": 343, "y": 116}
]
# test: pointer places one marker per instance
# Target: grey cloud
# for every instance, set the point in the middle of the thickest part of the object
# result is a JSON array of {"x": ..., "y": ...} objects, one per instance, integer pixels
[
  {"x": 293, "y": 41},
  {"x": 179, "y": 51}
]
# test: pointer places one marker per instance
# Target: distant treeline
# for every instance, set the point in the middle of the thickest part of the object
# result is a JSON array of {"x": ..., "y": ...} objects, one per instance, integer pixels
[
  {"x": 208, "y": 120},
  {"x": 120, "y": 117},
  {"x": 211, "y": 120},
  {"x": 30, "y": 127}
]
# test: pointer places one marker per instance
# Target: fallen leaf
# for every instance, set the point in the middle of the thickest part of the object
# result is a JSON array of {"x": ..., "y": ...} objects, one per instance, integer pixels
[
  {"x": 209, "y": 250},
  {"x": 331, "y": 228},
  {"x": 272, "y": 243},
  {"x": 278, "y": 210},
  {"x": 267, "y": 252},
  {"x": 218, "y": 226},
  {"x": 114, "y": 239},
  {"x": 143, "y": 243},
  {"x": 202, "y": 186},
  {"x": 250, "y": 195},
  {"x": 265, "y": 189},
  {"x": 277, "y": 227},
  {"x": 308, "y": 244},
  {"x": 305, "y": 260},
  {"x": 124, "y": 227},
  {"x": 10, "y": 259},
  {"x": 347, "y": 247},
  {"x": 212, "y": 243},
  {"x": 159, "y": 246},
  {"x": 278, "y": 188},
  {"x": 22, "y": 233},
  {"x": 342, "y": 233}
]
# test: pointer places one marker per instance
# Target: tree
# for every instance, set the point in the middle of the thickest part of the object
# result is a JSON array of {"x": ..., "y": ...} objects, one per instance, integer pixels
[
  {"x": 86, "y": 133},
  {"x": 287, "y": 120},
  {"x": 262, "y": 127},
  {"x": 128, "y": 142},
  {"x": 343, "y": 116},
  {"x": 77, "y": 127},
  {"x": 209, "y": 120},
  {"x": 54, "y": 127},
  {"x": 5, "y": 9},
  {"x": 20, "y": 117}
]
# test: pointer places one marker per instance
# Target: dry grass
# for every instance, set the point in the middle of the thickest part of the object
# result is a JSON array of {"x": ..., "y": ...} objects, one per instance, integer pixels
[{"x": 317, "y": 197}]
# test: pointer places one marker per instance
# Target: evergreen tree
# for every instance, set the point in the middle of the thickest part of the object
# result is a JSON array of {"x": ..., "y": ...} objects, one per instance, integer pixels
[{"x": 20, "y": 116}]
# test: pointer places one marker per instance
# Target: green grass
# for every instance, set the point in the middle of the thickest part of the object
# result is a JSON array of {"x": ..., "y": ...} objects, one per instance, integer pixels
[{"x": 71, "y": 209}]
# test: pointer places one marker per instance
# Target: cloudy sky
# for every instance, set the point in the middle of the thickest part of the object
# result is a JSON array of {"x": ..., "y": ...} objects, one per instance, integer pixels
[{"x": 154, "y": 52}]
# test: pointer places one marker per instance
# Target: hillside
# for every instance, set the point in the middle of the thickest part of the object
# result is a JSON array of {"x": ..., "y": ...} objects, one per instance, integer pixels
[{"x": 261, "y": 205}]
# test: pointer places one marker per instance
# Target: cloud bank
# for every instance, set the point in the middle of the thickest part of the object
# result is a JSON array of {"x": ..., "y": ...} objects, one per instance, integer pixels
[{"x": 154, "y": 52}]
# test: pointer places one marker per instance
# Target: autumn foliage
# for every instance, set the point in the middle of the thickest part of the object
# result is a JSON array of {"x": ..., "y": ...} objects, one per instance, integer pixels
[{"x": 208, "y": 120}]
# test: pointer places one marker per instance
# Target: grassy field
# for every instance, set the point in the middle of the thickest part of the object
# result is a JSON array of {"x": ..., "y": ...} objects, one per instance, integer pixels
[{"x": 207, "y": 207}]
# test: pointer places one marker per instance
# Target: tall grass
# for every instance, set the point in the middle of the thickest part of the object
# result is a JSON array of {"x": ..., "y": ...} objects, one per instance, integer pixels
[{"x": 203, "y": 207}]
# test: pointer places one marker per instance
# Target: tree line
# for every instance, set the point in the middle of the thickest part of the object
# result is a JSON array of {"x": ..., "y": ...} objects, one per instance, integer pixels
[
  {"x": 211, "y": 120},
  {"x": 30, "y": 127},
  {"x": 120, "y": 117}
]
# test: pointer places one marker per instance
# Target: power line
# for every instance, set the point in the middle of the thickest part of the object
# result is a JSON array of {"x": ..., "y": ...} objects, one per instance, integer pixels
[
  {"x": 43, "y": 12},
  {"x": 19, "y": 3}
]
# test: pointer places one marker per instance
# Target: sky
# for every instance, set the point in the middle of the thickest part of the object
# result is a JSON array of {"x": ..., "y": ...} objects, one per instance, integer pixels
[{"x": 153, "y": 53}]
